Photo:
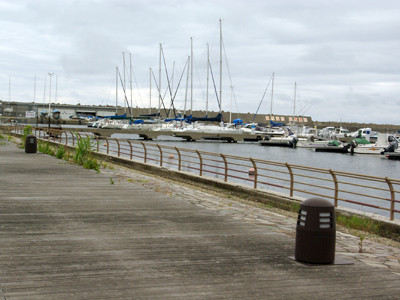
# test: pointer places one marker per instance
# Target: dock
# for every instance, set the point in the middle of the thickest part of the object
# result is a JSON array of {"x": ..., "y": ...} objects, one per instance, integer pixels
[
  {"x": 184, "y": 135},
  {"x": 71, "y": 233}
]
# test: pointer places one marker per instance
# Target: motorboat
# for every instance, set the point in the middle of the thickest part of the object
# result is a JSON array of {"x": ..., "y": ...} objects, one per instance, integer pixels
[
  {"x": 363, "y": 146},
  {"x": 287, "y": 139},
  {"x": 333, "y": 146}
]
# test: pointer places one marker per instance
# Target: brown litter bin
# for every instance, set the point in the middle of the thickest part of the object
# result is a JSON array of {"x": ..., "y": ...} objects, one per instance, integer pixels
[
  {"x": 316, "y": 232},
  {"x": 31, "y": 144}
]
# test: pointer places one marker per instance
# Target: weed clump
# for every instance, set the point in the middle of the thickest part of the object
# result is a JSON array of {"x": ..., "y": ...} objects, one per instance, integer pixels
[
  {"x": 84, "y": 156},
  {"x": 27, "y": 131},
  {"x": 46, "y": 148},
  {"x": 60, "y": 153}
]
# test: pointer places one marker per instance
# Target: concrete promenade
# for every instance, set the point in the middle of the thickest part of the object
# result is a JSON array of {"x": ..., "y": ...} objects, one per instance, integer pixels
[{"x": 71, "y": 233}]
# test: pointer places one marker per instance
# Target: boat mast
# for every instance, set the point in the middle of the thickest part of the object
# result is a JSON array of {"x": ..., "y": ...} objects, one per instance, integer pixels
[
  {"x": 50, "y": 74},
  {"x": 130, "y": 75},
  {"x": 230, "y": 110},
  {"x": 116, "y": 91},
  {"x": 272, "y": 96},
  {"x": 220, "y": 66},
  {"x": 191, "y": 76},
  {"x": 150, "y": 91},
  {"x": 159, "y": 82},
  {"x": 124, "y": 83},
  {"x": 208, "y": 76},
  {"x": 34, "y": 90},
  {"x": 294, "y": 104},
  {"x": 44, "y": 92},
  {"x": 186, "y": 91},
  {"x": 55, "y": 97}
]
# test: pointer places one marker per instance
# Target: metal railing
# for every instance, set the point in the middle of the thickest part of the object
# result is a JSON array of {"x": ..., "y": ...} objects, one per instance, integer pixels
[{"x": 373, "y": 194}]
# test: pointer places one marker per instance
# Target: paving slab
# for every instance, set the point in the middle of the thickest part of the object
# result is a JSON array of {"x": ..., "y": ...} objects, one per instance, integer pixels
[{"x": 71, "y": 233}]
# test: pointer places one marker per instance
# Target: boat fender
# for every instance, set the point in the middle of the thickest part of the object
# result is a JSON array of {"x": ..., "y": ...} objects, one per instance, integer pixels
[
  {"x": 393, "y": 146},
  {"x": 353, "y": 144},
  {"x": 293, "y": 142},
  {"x": 252, "y": 171}
]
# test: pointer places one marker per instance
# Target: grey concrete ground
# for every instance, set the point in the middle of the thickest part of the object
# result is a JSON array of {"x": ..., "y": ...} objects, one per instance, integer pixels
[{"x": 71, "y": 233}]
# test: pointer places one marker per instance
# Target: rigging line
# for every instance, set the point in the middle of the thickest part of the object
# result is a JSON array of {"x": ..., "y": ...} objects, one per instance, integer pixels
[
  {"x": 179, "y": 82},
  {"x": 109, "y": 93},
  {"x": 262, "y": 99},
  {"x": 173, "y": 75},
  {"x": 299, "y": 100},
  {"x": 158, "y": 89},
  {"x": 305, "y": 109},
  {"x": 198, "y": 76},
  {"x": 229, "y": 74},
  {"x": 169, "y": 84},
  {"x": 215, "y": 87},
  {"x": 137, "y": 86},
  {"x": 123, "y": 88}
]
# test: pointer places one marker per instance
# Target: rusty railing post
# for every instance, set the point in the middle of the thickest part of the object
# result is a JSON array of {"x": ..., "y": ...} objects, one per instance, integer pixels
[
  {"x": 336, "y": 187},
  {"x": 255, "y": 171},
  {"x": 130, "y": 146},
  {"x": 201, "y": 162},
  {"x": 291, "y": 178},
  {"x": 179, "y": 158},
  {"x": 98, "y": 143},
  {"x": 119, "y": 148},
  {"x": 145, "y": 152},
  {"x": 161, "y": 154},
  {"x": 66, "y": 138},
  {"x": 73, "y": 138},
  {"x": 392, "y": 198},
  {"x": 226, "y": 167},
  {"x": 108, "y": 145}
]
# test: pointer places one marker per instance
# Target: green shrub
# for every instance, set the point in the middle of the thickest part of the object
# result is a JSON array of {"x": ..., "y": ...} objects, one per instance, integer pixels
[
  {"x": 46, "y": 149},
  {"x": 83, "y": 154},
  {"x": 60, "y": 152},
  {"x": 357, "y": 222}
]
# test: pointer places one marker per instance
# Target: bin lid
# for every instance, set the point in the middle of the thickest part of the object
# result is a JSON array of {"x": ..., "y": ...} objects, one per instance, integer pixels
[{"x": 317, "y": 202}]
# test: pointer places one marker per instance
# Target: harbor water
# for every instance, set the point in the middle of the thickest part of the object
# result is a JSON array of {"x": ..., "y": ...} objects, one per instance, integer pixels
[{"x": 365, "y": 164}]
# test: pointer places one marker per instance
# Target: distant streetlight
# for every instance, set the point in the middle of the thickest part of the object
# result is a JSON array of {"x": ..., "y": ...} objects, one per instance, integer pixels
[
  {"x": 50, "y": 74},
  {"x": 49, "y": 114}
]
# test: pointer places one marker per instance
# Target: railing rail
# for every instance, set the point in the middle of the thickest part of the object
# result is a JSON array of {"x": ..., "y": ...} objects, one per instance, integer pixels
[{"x": 374, "y": 194}]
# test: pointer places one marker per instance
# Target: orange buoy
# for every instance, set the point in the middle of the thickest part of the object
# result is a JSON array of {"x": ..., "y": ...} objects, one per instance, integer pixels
[
  {"x": 252, "y": 171},
  {"x": 170, "y": 156}
]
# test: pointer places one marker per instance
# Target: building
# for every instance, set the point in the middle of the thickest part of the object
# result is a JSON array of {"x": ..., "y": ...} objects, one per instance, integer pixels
[{"x": 32, "y": 109}]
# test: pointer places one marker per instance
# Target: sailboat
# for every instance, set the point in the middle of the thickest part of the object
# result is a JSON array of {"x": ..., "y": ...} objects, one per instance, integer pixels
[{"x": 284, "y": 136}]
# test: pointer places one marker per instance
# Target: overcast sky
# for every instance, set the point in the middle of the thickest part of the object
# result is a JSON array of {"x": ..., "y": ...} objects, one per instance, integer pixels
[{"x": 343, "y": 55}]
